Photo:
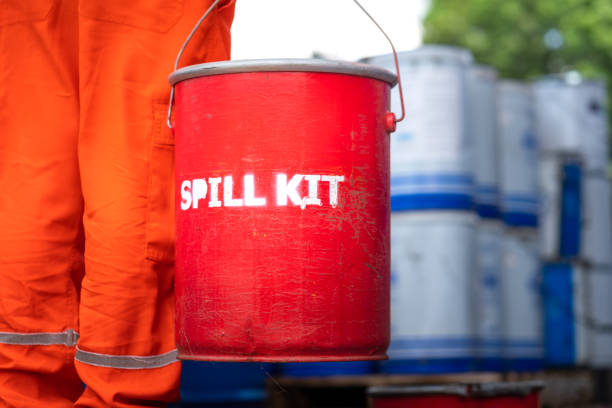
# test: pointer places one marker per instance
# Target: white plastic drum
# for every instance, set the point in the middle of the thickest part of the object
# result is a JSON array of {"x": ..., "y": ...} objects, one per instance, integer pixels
[
  {"x": 596, "y": 245},
  {"x": 582, "y": 340},
  {"x": 518, "y": 154},
  {"x": 556, "y": 108},
  {"x": 549, "y": 215},
  {"x": 487, "y": 292},
  {"x": 521, "y": 300},
  {"x": 432, "y": 259},
  {"x": 431, "y": 151},
  {"x": 482, "y": 125},
  {"x": 599, "y": 307},
  {"x": 593, "y": 121},
  {"x": 572, "y": 118}
]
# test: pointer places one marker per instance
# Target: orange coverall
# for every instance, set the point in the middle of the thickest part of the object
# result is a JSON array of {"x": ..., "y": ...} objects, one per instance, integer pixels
[{"x": 86, "y": 205}]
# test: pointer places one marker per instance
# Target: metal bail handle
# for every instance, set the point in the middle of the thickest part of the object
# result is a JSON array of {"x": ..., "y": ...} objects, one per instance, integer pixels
[{"x": 390, "y": 119}]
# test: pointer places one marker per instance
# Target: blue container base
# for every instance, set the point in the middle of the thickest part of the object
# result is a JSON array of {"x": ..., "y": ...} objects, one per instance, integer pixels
[
  {"x": 488, "y": 211},
  {"x": 327, "y": 369},
  {"x": 517, "y": 219},
  {"x": 242, "y": 396},
  {"x": 218, "y": 405},
  {"x": 223, "y": 383},
  {"x": 524, "y": 364},
  {"x": 491, "y": 364}
]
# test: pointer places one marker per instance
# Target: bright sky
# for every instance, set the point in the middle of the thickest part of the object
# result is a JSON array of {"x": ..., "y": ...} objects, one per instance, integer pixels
[{"x": 337, "y": 29}]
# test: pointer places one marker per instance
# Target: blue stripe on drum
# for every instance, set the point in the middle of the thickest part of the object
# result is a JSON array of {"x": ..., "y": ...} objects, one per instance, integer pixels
[
  {"x": 487, "y": 194},
  {"x": 520, "y": 210},
  {"x": 488, "y": 211},
  {"x": 326, "y": 369},
  {"x": 490, "y": 342},
  {"x": 520, "y": 203},
  {"x": 524, "y": 364},
  {"x": 432, "y": 183},
  {"x": 519, "y": 219},
  {"x": 514, "y": 349},
  {"x": 441, "y": 347},
  {"x": 432, "y": 201},
  {"x": 489, "y": 352},
  {"x": 487, "y": 201},
  {"x": 432, "y": 191},
  {"x": 523, "y": 355},
  {"x": 490, "y": 347},
  {"x": 491, "y": 364}
]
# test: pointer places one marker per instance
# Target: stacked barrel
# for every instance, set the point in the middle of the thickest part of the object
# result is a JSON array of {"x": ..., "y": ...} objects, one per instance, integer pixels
[
  {"x": 433, "y": 225},
  {"x": 575, "y": 236},
  {"x": 464, "y": 200},
  {"x": 482, "y": 106},
  {"x": 520, "y": 274}
]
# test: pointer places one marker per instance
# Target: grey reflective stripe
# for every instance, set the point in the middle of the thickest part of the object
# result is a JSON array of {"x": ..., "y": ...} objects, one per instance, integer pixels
[
  {"x": 67, "y": 338},
  {"x": 126, "y": 362}
]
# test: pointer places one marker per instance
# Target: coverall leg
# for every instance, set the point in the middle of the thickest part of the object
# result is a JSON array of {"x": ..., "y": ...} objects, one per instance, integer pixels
[
  {"x": 126, "y": 352},
  {"x": 41, "y": 245},
  {"x": 84, "y": 100}
]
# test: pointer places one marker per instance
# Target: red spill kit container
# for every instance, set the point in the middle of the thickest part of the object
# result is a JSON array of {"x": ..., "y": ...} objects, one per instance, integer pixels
[
  {"x": 524, "y": 394},
  {"x": 419, "y": 396},
  {"x": 282, "y": 210}
]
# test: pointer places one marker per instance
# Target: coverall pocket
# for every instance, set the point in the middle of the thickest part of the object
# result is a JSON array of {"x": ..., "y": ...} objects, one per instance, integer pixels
[
  {"x": 160, "y": 190},
  {"x": 153, "y": 15},
  {"x": 21, "y": 11}
]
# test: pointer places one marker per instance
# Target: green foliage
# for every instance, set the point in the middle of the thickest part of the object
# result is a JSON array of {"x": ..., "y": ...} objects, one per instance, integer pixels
[{"x": 510, "y": 35}]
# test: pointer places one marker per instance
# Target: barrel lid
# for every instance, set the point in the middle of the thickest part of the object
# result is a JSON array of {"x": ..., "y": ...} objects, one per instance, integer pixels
[
  {"x": 484, "y": 71},
  {"x": 282, "y": 65},
  {"x": 519, "y": 389},
  {"x": 404, "y": 390},
  {"x": 568, "y": 79},
  {"x": 508, "y": 87},
  {"x": 431, "y": 52}
]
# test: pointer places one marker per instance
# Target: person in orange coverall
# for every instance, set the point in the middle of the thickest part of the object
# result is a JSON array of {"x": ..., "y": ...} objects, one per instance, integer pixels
[{"x": 86, "y": 202}]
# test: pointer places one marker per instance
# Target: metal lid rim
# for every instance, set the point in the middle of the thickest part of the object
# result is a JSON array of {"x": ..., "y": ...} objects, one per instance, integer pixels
[{"x": 282, "y": 65}]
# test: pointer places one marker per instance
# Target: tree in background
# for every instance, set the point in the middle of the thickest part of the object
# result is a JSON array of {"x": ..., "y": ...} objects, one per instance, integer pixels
[{"x": 526, "y": 38}]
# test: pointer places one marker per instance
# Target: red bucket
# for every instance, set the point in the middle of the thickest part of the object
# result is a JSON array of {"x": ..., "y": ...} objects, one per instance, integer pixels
[
  {"x": 419, "y": 396},
  {"x": 282, "y": 210}
]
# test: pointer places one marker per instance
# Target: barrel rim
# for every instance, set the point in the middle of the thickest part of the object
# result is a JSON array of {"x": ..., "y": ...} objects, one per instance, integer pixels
[
  {"x": 448, "y": 53},
  {"x": 282, "y": 65},
  {"x": 514, "y": 85},
  {"x": 562, "y": 80},
  {"x": 406, "y": 390},
  {"x": 485, "y": 71}
]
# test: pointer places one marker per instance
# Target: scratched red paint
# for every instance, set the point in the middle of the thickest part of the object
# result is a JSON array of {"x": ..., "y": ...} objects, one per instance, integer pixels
[{"x": 262, "y": 279}]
